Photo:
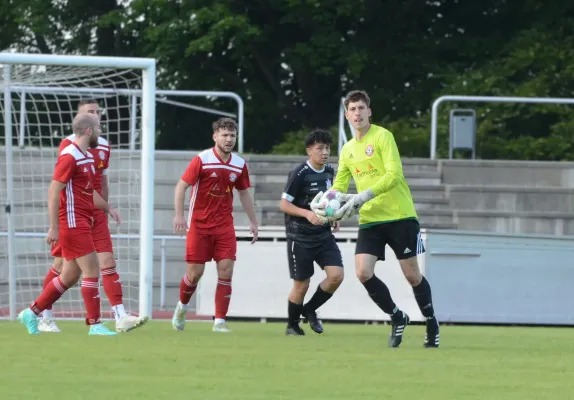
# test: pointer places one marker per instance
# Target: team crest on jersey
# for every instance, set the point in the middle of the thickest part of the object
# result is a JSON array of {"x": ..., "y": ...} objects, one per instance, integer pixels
[
  {"x": 233, "y": 177},
  {"x": 370, "y": 150},
  {"x": 102, "y": 155}
]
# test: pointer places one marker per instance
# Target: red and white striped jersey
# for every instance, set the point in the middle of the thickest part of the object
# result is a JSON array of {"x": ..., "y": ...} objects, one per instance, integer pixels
[
  {"x": 101, "y": 155},
  {"x": 76, "y": 170},
  {"x": 212, "y": 182}
]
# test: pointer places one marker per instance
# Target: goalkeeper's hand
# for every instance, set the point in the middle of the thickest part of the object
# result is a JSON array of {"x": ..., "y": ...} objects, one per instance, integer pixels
[{"x": 353, "y": 204}]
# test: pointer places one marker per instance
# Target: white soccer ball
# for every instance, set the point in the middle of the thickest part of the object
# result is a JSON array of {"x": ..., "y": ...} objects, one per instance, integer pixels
[{"x": 332, "y": 206}]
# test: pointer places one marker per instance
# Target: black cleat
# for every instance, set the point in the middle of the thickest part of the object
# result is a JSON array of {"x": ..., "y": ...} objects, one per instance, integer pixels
[
  {"x": 399, "y": 322},
  {"x": 432, "y": 335},
  {"x": 314, "y": 322},
  {"x": 294, "y": 330}
]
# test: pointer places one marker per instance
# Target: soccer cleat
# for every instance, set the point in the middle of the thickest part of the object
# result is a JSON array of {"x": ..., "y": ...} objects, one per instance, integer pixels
[
  {"x": 130, "y": 322},
  {"x": 100, "y": 330},
  {"x": 221, "y": 327},
  {"x": 30, "y": 320},
  {"x": 294, "y": 330},
  {"x": 48, "y": 325},
  {"x": 314, "y": 321},
  {"x": 399, "y": 324},
  {"x": 178, "y": 320},
  {"x": 432, "y": 334}
]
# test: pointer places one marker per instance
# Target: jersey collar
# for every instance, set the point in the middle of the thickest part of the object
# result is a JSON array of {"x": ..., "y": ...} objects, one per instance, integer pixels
[
  {"x": 313, "y": 169},
  {"x": 366, "y": 134},
  {"x": 219, "y": 158}
]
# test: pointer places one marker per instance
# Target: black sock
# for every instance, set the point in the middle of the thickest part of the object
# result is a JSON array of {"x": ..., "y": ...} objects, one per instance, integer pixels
[
  {"x": 319, "y": 298},
  {"x": 380, "y": 294},
  {"x": 423, "y": 297},
  {"x": 294, "y": 311}
]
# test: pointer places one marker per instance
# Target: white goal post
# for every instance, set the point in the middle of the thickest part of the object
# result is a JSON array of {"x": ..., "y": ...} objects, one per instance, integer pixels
[{"x": 147, "y": 88}]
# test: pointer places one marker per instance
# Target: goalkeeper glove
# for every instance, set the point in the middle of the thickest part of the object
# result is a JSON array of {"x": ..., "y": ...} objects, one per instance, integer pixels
[{"x": 353, "y": 204}]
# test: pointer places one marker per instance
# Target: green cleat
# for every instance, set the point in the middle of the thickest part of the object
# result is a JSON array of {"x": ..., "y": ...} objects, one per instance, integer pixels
[{"x": 30, "y": 320}]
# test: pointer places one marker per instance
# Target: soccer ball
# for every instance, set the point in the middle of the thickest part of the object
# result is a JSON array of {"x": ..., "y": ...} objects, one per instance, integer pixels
[{"x": 333, "y": 200}]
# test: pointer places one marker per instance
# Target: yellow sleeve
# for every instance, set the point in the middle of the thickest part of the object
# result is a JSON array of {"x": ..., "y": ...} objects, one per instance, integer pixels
[
  {"x": 392, "y": 163},
  {"x": 343, "y": 177}
]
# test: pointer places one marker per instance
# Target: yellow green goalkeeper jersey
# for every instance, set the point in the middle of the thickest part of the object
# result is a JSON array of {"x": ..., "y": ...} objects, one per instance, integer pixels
[{"x": 374, "y": 162}]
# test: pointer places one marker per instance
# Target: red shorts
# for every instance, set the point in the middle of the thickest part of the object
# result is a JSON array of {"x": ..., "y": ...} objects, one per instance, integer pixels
[
  {"x": 201, "y": 248},
  {"x": 75, "y": 243},
  {"x": 100, "y": 236}
]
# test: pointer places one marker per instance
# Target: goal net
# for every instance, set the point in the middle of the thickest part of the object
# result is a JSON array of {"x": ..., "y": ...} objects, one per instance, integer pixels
[{"x": 37, "y": 104}]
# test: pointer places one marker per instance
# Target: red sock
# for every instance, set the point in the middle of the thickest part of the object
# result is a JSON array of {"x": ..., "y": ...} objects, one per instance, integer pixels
[
  {"x": 52, "y": 273},
  {"x": 186, "y": 290},
  {"x": 112, "y": 286},
  {"x": 51, "y": 293},
  {"x": 91, "y": 295},
  {"x": 222, "y": 297}
]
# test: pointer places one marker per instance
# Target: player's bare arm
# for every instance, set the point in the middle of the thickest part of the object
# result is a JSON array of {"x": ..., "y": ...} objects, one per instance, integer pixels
[
  {"x": 105, "y": 186},
  {"x": 289, "y": 208},
  {"x": 103, "y": 205},
  {"x": 179, "y": 222},
  {"x": 247, "y": 204},
  {"x": 53, "y": 206}
]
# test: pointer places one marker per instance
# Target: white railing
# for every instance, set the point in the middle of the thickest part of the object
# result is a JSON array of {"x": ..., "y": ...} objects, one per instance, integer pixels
[
  {"x": 342, "y": 133},
  {"x": 483, "y": 99},
  {"x": 275, "y": 233}
]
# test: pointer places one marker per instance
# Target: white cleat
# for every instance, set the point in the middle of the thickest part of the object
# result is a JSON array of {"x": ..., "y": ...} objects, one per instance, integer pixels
[
  {"x": 178, "y": 320},
  {"x": 48, "y": 325},
  {"x": 129, "y": 322},
  {"x": 221, "y": 327}
]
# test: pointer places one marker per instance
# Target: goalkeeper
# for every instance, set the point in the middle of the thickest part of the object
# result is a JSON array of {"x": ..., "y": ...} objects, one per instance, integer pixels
[{"x": 386, "y": 215}]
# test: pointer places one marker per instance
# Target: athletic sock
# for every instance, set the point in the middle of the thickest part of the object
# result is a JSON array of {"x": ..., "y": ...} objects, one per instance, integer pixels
[
  {"x": 50, "y": 275},
  {"x": 294, "y": 312},
  {"x": 91, "y": 295},
  {"x": 423, "y": 296},
  {"x": 53, "y": 291},
  {"x": 186, "y": 290},
  {"x": 379, "y": 293},
  {"x": 319, "y": 298},
  {"x": 222, "y": 298}
]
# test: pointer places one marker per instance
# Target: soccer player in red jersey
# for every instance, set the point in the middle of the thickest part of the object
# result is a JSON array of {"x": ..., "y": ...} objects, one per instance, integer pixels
[
  {"x": 100, "y": 234},
  {"x": 71, "y": 203},
  {"x": 212, "y": 174}
]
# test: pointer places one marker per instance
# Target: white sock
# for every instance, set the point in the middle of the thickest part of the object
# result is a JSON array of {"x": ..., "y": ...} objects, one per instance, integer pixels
[
  {"x": 182, "y": 306},
  {"x": 119, "y": 311},
  {"x": 47, "y": 314},
  {"x": 219, "y": 321}
]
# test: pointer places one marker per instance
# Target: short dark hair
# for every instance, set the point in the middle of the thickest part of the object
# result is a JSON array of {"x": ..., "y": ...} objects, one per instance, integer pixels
[
  {"x": 357, "y": 95},
  {"x": 224, "y": 123},
  {"x": 83, "y": 102},
  {"x": 318, "y": 136}
]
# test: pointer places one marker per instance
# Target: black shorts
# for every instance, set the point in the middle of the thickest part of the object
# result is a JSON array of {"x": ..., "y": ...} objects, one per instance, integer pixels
[
  {"x": 302, "y": 257},
  {"x": 404, "y": 237}
]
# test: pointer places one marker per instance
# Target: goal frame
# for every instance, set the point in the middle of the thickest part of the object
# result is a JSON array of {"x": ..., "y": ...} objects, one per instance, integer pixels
[{"x": 148, "y": 92}]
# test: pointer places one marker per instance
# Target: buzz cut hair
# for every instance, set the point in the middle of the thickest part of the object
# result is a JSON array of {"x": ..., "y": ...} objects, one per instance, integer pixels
[
  {"x": 357, "y": 95},
  {"x": 320, "y": 136},
  {"x": 224, "y": 123},
  {"x": 83, "y": 102}
]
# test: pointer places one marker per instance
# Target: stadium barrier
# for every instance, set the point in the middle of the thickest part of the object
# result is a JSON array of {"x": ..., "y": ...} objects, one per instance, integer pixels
[{"x": 476, "y": 277}]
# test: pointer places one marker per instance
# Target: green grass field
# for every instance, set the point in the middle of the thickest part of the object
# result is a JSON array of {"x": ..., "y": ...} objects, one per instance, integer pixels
[{"x": 257, "y": 361}]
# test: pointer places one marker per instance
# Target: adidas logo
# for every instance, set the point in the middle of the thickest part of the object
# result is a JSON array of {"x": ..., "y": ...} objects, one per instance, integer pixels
[
  {"x": 351, "y": 155},
  {"x": 407, "y": 251},
  {"x": 85, "y": 169},
  {"x": 213, "y": 175}
]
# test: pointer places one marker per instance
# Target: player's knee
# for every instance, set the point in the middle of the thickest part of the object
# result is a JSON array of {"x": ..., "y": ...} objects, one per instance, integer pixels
[
  {"x": 364, "y": 274},
  {"x": 301, "y": 287},
  {"x": 106, "y": 260},
  {"x": 225, "y": 269},
  {"x": 58, "y": 264},
  {"x": 411, "y": 271},
  {"x": 335, "y": 277},
  {"x": 70, "y": 276},
  {"x": 194, "y": 273}
]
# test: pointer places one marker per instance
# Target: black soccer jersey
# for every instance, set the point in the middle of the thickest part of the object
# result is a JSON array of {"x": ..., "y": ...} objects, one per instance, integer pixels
[{"x": 302, "y": 186}]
